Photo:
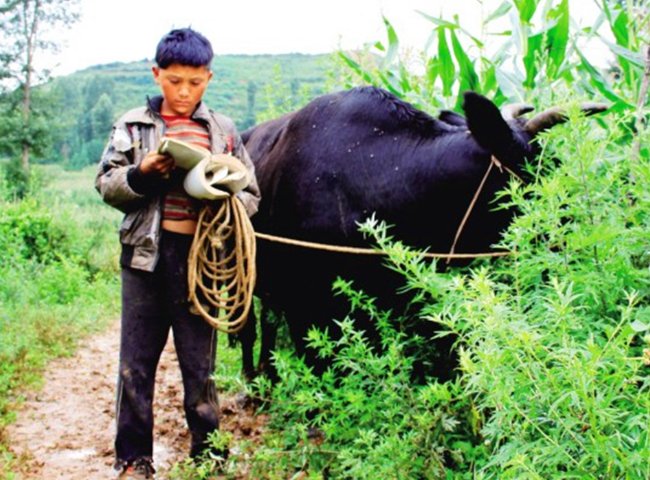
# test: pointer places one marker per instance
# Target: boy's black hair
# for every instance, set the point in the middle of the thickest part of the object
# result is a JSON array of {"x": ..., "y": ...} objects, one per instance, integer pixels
[{"x": 184, "y": 46}]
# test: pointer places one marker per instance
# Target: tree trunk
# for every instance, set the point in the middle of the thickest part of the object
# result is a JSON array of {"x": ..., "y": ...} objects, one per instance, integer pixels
[
  {"x": 31, "y": 29},
  {"x": 26, "y": 117}
]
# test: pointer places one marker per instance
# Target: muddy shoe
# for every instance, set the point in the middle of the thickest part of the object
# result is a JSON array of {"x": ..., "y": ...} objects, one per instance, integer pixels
[{"x": 139, "y": 469}]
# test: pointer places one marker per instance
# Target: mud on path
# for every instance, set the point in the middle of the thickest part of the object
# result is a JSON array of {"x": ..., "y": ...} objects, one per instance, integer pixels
[{"x": 65, "y": 430}]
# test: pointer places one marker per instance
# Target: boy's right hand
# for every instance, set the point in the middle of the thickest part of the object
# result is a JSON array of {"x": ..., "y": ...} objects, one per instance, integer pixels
[{"x": 157, "y": 164}]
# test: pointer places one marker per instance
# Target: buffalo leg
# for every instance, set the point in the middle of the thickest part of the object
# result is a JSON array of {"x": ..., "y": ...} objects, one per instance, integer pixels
[
  {"x": 269, "y": 329},
  {"x": 247, "y": 336}
]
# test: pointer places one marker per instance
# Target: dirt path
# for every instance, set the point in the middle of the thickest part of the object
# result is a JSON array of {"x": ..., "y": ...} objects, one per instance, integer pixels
[{"x": 65, "y": 431}]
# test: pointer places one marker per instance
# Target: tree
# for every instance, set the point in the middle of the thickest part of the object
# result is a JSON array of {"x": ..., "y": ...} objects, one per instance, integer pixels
[
  {"x": 29, "y": 27},
  {"x": 249, "y": 119},
  {"x": 102, "y": 117},
  {"x": 96, "y": 88}
]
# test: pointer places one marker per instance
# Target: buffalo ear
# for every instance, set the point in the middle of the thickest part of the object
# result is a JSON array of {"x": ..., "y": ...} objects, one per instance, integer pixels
[{"x": 485, "y": 122}]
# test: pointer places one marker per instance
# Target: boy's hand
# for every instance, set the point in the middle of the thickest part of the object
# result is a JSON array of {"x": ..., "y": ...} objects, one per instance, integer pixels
[{"x": 157, "y": 164}]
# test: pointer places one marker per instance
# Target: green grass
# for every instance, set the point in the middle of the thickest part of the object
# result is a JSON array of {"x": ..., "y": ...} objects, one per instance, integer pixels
[{"x": 59, "y": 281}]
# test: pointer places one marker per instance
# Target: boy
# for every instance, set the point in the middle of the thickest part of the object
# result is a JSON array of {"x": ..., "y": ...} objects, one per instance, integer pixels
[{"x": 156, "y": 235}]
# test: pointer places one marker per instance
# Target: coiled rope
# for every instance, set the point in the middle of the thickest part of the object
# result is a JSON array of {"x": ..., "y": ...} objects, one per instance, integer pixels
[{"x": 221, "y": 265}]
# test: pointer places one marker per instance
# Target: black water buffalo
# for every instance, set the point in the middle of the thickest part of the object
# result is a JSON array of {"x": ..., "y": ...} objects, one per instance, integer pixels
[{"x": 349, "y": 155}]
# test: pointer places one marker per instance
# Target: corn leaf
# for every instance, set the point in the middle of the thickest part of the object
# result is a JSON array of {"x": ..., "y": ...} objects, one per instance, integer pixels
[
  {"x": 534, "y": 51},
  {"x": 446, "y": 64},
  {"x": 621, "y": 52},
  {"x": 557, "y": 39},
  {"x": 404, "y": 77},
  {"x": 440, "y": 22},
  {"x": 465, "y": 64},
  {"x": 518, "y": 34},
  {"x": 462, "y": 87},
  {"x": 526, "y": 9},
  {"x": 432, "y": 71},
  {"x": 618, "y": 23},
  {"x": 356, "y": 67},
  {"x": 393, "y": 43},
  {"x": 490, "y": 80},
  {"x": 620, "y": 28},
  {"x": 510, "y": 84},
  {"x": 599, "y": 82},
  {"x": 388, "y": 81}
]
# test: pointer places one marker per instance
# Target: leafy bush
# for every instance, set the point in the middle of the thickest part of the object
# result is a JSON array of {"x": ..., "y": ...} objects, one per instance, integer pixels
[
  {"x": 28, "y": 233},
  {"x": 55, "y": 287},
  {"x": 15, "y": 178},
  {"x": 363, "y": 419},
  {"x": 62, "y": 282},
  {"x": 553, "y": 341}
]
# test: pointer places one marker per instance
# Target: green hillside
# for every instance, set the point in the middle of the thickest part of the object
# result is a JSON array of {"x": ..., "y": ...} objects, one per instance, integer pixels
[{"x": 247, "y": 88}]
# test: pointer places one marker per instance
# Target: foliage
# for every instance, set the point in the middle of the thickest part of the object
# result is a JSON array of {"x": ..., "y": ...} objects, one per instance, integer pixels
[
  {"x": 553, "y": 342},
  {"x": 58, "y": 270},
  {"x": 31, "y": 27},
  {"x": 89, "y": 101},
  {"x": 16, "y": 179},
  {"x": 629, "y": 27},
  {"x": 39, "y": 133},
  {"x": 525, "y": 48},
  {"x": 280, "y": 97},
  {"x": 208, "y": 465},
  {"x": 362, "y": 418},
  {"x": 28, "y": 26}
]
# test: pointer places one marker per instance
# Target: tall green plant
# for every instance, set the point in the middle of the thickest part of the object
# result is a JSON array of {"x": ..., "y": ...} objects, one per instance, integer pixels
[
  {"x": 361, "y": 419},
  {"x": 58, "y": 264},
  {"x": 625, "y": 31},
  {"x": 553, "y": 342},
  {"x": 524, "y": 47}
]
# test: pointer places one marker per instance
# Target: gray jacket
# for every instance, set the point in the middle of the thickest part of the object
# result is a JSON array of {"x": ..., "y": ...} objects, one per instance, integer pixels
[{"x": 140, "y": 197}]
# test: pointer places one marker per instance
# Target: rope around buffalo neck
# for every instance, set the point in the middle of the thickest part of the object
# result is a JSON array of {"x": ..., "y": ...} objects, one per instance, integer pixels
[
  {"x": 494, "y": 161},
  {"x": 221, "y": 266},
  {"x": 370, "y": 251}
]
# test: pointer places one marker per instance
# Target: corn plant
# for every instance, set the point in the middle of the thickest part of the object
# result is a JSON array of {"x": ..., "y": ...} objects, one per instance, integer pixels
[
  {"x": 524, "y": 48},
  {"x": 628, "y": 23}
]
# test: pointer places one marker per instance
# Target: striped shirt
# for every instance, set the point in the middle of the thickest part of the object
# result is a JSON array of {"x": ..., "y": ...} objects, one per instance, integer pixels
[{"x": 178, "y": 205}]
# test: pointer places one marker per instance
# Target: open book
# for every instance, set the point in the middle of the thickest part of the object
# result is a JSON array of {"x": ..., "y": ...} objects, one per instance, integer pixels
[
  {"x": 210, "y": 176},
  {"x": 186, "y": 155}
]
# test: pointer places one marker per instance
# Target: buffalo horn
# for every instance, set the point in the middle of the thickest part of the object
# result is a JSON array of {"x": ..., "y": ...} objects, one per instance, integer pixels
[
  {"x": 556, "y": 115},
  {"x": 514, "y": 110}
]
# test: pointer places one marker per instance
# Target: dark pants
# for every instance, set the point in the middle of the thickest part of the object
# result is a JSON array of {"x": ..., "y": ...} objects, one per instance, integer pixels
[{"x": 151, "y": 304}]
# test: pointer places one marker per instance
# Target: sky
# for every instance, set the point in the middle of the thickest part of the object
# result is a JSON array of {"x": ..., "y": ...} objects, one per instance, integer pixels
[{"x": 129, "y": 30}]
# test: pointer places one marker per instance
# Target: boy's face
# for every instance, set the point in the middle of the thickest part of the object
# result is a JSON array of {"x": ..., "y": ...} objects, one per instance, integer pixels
[{"x": 182, "y": 87}]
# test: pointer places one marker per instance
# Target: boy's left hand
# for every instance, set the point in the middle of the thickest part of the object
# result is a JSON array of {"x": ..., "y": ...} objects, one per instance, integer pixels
[{"x": 157, "y": 164}]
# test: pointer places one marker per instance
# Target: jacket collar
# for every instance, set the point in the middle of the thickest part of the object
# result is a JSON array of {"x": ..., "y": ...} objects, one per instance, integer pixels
[
  {"x": 151, "y": 112},
  {"x": 200, "y": 113}
]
